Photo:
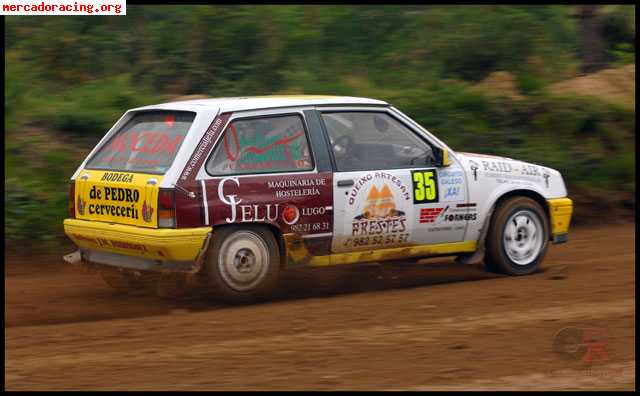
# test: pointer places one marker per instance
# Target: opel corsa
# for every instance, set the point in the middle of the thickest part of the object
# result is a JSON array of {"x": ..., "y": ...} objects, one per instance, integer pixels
[{"x": 235, "y": 191}]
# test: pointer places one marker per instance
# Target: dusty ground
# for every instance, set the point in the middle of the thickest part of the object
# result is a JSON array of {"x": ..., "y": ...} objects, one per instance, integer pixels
[{"x": 431, "y": 327}]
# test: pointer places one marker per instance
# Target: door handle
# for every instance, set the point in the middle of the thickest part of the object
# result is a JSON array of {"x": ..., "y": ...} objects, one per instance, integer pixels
[{"x": 345, "y": 183}]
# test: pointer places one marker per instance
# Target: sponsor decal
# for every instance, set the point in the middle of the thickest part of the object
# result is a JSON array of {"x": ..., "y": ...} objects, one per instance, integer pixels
[
  {"x": 296, "y": 187},
  {"x": 452, "y": 192},
  {"x": 203, "y": 148},
  {"x": 258, "y": 149},
  {"x": 459, "y": 212},
  {"x": 429, "y": 215},
  {"x": 290, "y": 214},
  {"x": 506, "y": 171},
  {"x": 248, "y": 213},
  {"x": 119, "y": 197},
  {"x": 311, "y": 227},
  {"x": 474, "y": 168},
  {"x": 437, "y": 229},
  {"x": 127, "y": 245},
  {"x": 496, "y": 166},
  {"x": 145, "y": 142},
  {"x": 301, "y": 219},
  {"x": 315, "y": 211},
  {"x": 147, "y": 212},
  {"x": 80, "y": 205},
  {"x": 425, "y": 186},
  {"x": 378, "y": 203},
  {"x": 462, "y": 212},
  {"x": 452, "y": 183},
  {"x": 460, "y": 217},
  {"x": 392, "y": 179},
  {"x": 111, "y": 243},
  {"x": 84, "y": 238},
  {"x": 128, "y": 197},
  {"x": 546, "y": 176},
  {"x": 117, "y": 177}
]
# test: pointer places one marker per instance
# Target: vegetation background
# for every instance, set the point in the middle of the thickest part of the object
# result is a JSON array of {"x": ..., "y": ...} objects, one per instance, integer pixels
[{"x": 553, "y": 85}]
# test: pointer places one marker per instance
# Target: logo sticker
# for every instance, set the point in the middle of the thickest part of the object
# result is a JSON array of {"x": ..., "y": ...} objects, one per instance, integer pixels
[
  {"x": 378, "y": 206},
  {"x": 429, "y": 215},
  {"x": 474, "y": 168}
]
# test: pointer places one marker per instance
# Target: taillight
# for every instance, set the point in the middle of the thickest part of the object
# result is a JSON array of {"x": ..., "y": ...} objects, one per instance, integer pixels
[
  {"x": 167, "y": 208},
  {"x": 72, "y": 199}
]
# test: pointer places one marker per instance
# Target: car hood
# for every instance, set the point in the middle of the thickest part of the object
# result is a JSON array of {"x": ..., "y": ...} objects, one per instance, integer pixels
[{"x": 521, "y": 173}]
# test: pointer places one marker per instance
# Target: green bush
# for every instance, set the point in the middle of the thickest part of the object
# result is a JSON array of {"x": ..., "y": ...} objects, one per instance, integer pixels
[
  {"x": 74, "y": 77},
  {"x": 91, "y": 109}
]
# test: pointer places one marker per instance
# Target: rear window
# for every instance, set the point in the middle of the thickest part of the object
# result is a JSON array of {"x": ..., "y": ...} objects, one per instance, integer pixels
[{"x": 147, "y": 143}]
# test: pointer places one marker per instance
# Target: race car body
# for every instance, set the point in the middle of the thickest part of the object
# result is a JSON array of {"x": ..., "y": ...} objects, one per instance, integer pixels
[{"x": 239, "y": 189}]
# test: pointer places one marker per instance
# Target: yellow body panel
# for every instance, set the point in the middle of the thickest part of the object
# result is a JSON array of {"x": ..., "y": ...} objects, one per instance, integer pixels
[
  {"x": 118, "y": 197},
  {"x": 560, "y": 211},
  {"x": 299, "y": 255},
  {"x": 158, "y": 244}
]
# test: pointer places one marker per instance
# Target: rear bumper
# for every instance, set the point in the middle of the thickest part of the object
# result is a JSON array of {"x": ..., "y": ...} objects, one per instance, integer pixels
[
  {"x": 137, "y": 247},
  {"x": 560, "y": 211}
]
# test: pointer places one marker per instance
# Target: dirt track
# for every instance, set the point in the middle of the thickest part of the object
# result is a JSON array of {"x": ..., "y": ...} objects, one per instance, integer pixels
[{"x": 436, "y": 326}]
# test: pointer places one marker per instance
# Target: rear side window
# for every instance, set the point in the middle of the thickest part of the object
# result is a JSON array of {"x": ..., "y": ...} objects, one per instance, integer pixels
[
  {"x": 147, "y": 143},
  {"x": 262, "y": 145}
]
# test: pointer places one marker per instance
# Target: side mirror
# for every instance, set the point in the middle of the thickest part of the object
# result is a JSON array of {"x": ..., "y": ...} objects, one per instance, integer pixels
[{"x": 442, "y": 156}]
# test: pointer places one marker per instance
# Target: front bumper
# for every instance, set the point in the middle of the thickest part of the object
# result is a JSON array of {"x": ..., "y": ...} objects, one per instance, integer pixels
[
  {"x": 560, "y": 211},
  {"x": 139, "y": 248}
]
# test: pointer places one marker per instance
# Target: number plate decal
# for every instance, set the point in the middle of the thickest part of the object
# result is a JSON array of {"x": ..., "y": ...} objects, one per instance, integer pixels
[{"x": 425, "y": 186}]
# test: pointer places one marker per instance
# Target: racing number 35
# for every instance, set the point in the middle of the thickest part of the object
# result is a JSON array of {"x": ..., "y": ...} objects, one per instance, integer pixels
[{"x": 425, "y": 186}]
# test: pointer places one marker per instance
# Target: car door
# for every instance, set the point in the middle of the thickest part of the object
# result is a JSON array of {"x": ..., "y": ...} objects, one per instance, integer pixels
[
  {"x": 267, "y": 168},
  {"x": 387, "y": 190}
]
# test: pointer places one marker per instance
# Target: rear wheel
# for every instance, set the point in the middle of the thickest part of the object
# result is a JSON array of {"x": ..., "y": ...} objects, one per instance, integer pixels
[
  {"x": 518, "y": 237},
  {"x": 243, "y": 264}
]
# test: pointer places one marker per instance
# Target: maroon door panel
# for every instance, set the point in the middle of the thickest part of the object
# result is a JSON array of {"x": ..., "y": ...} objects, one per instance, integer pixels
[
  {"x": 295, "y": 203},
  {"x": 189, "y": 211}
]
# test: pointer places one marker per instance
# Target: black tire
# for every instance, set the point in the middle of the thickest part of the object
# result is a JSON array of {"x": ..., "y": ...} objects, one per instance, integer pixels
[
  {"x": 240, "y": 244},
  {"x": 505, "y": 254}
]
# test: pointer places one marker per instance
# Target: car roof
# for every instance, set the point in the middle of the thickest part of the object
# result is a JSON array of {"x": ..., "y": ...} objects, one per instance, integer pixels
[{"x": 264, "y": 102}]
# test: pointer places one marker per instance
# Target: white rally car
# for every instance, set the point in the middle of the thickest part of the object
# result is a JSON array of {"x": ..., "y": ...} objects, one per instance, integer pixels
[{"x": 236, "y": 190}]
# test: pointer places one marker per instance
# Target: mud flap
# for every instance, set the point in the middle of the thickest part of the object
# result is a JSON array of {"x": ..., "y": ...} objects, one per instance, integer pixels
[{"x": 478, "y": 256}]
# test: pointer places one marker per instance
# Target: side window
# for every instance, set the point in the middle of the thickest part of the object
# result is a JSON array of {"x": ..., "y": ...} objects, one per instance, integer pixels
[
  {"x": 262, "y": 145},
  {"x": 373, "y": 140}
]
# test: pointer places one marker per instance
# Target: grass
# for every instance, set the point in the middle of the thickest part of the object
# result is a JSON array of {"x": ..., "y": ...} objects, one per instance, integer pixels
[{"x": 589, "y": 140}]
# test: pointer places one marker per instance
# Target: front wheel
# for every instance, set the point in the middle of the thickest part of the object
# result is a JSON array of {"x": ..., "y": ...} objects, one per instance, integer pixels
[
  {"x": 518, "y": 237},
  {"x": 244, "y": 264}
]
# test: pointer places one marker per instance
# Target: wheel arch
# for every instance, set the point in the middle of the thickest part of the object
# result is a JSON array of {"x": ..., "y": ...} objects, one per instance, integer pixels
[{"x": 529, "y": 193}]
